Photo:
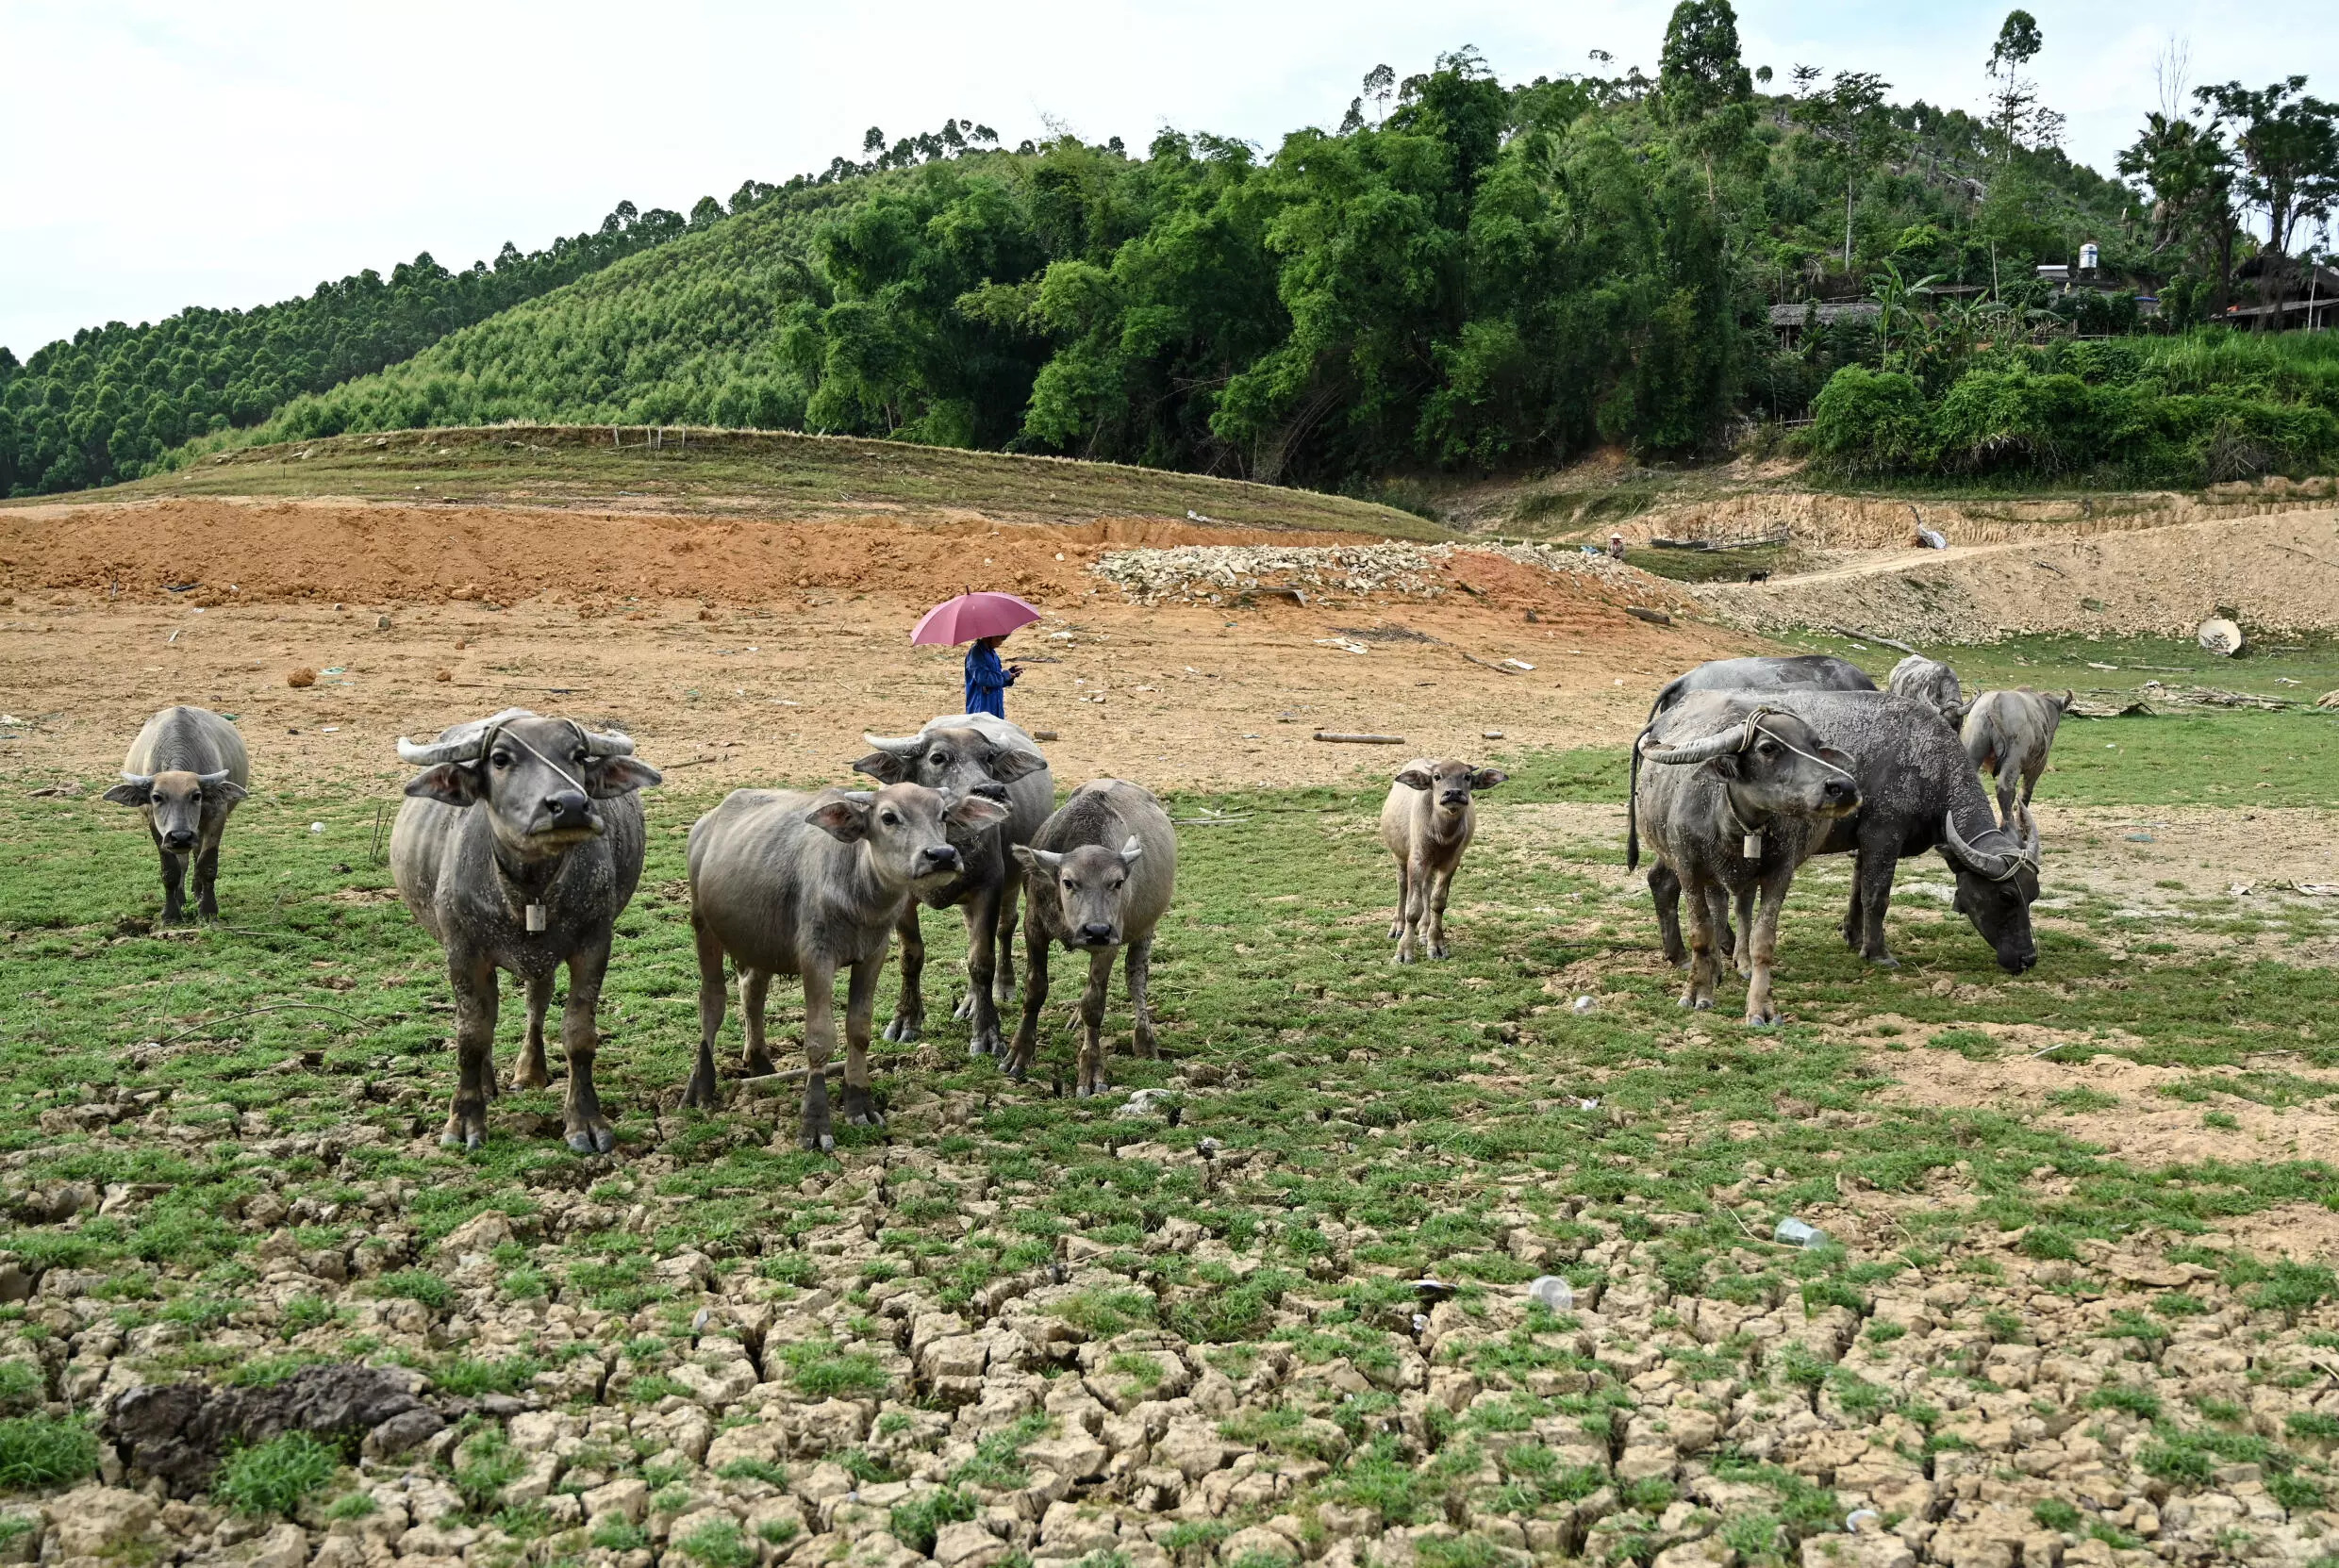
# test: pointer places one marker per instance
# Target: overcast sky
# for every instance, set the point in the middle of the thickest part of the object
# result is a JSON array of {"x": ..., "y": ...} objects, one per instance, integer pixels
[{"x": 231, "y": 153}]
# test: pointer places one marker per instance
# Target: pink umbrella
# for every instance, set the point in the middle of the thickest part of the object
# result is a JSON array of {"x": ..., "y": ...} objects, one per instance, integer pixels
[{"x": 973, "y": 615}]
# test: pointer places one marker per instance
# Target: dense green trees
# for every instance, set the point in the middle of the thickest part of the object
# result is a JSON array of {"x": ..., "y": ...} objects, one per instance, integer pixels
[{"x": 1465, "y": 273}]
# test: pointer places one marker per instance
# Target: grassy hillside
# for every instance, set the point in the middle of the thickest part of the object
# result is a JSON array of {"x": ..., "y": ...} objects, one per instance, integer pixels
[{"x": 728, "y": 471}]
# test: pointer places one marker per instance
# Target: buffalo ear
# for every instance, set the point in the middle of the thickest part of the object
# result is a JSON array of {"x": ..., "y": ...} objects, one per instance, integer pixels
[
  {"x": 884, "y": 767},
  {"x": 1034, "y": 860},
  {"x": 1486, "y": 778},
  {"x": 225, "y": 793},
  {"x": 131, "y": 792},
  {"x": 846, "y": 822},
  {"x": 1414, "y": 778},
  {"x": 618, "y": 776},
  {"x": 452, "y": 783},
  {"x": 975, "y": 811},
  {"x": 1011, "y": 763},
  {"x": 1726, "y": 765}
]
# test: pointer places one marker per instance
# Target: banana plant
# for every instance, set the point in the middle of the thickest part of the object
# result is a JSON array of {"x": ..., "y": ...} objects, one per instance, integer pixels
[{"x": 1894, "y": 292}]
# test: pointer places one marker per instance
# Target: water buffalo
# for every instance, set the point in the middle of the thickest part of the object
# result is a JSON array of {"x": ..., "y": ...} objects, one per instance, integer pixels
[
  {"x": 517, "y": 848},
  {"x": 2009, "y": 733},
  {"x": 186, "y": 771},
  {"x": 967, "y": 753},
  {"x": 1100, "y": 873},
  {"x": 1931, "y": 683},
  {"x": 794, "y": 883},
  {"x": 1740, "y": 796},
  {"x": 1917, "y": 792},
  {"x": 1764, "y": 673},
  {"x": 1426, "y": 823}
]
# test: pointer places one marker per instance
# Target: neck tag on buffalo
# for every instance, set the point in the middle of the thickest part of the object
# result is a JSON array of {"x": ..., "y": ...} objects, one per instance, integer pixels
[
  {"x": 1750, "y": 846},
  {"x": 536, "y": 916}
]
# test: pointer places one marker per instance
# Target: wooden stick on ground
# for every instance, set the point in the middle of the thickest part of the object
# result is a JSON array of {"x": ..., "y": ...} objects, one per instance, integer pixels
[
  {"x": 1858, "y": 636},
  {"x": 1500, "y": 668},
  {"x": 1340, "y": 738}
]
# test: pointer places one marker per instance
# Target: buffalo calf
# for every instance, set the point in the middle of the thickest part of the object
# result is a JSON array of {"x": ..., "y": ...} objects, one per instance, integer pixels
[
  {"x": 2009, "y": 733},
  {"x": 186, "y": 771},
  {"x": 1426, "y": 823},
  {"x": 1100, "y": 874}
]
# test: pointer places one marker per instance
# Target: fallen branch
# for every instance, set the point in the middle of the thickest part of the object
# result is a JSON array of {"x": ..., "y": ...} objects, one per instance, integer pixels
[
  {"x": 1339, "y": 737},
  {"x": 792, "y": 1075},
  {"x": 1654, "y": 618},
  {"x": 1490, "y": 663},
  {"x": 255, "y": 1011},
  {"x": 1858, "y": 636}
]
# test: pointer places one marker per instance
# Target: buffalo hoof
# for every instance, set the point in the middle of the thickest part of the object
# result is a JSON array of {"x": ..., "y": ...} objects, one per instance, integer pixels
[
  {"x": 1396, "y": 931},
  {"x": 860, "y": 1110},
  {"x": 1883, "y": 961},
  {"x": 901, "y": 1032},
  {"x": 1401, "y": 957},
  {"x": 758, "y": 1064},
  {"x": 1012, "y": 1070},
  {"x": 1441, "y": 953},
  {"x": 597, "y": 1139},
  {"x": 981, "y": 1047},
  {"x": 964, "y": 1009},
  {"x": 452, "y": 1139},
  {"x": 1147, "y": 1046},
  {"x": 821, "y": 1141},
  {"x": 522, "y": 1077},
  {"x": 699, "y": 1093}
]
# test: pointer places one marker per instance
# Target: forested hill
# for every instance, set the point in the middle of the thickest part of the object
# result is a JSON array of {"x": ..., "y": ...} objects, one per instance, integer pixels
[
  {"x": 111, "y": 402},
  {"x": 1463, "y": 273}
]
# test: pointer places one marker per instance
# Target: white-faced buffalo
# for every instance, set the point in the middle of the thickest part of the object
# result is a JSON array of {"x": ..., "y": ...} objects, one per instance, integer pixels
[
  {"x": 2011, "y": 733},
  {"x": 519, "y": 845},
  {"x": 1737, "y": 797},
  {"x": 1931, "y": 683},
  {"x": 1917, "y": 792},
  {"x": 1100, "y": 872},
  {"x": 186, "y": 771},
  {"x": 1426, "y": 823},
  {"x": 969, "y": 753},
  {"x": 793, "y": 884}
]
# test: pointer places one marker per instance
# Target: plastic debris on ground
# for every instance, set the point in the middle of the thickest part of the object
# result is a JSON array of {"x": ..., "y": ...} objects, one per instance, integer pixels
[
  {"x": 1794, "y": 1232},
  {"x": 1553, "y": 1293}
]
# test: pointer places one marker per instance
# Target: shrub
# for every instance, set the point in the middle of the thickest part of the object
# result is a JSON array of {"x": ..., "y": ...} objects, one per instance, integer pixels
[
  {"x": 417, "y": 1284},
  {"x": 1996, "y": 421},
  {"x": 916, "y": 1523},
  {"x": 720, "y": 1544},
  {"x": 1870, "y": 422},
  {"x": 825, "y": 1371},
  {"x": 38, "y": 1451},
  {"x": 273, "y": 1477}
]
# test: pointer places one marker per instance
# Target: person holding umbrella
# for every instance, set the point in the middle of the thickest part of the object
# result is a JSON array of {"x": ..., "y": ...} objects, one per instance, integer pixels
[{"x": 983, "y": 619}]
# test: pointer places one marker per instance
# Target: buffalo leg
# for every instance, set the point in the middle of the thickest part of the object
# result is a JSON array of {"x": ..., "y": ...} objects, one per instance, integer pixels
[
  {"x": 1002, "y": 944},
  {"x": 589, "y": 1131},
  {"x": 819, "y": 983},
  {"x": 2009, "y": 783},
  {"x": 1441, "y": 886},
  {"x": 1140, "y": 970},
  {"x": 1413, "y": 913},
  {"x": 1404, "y": 896},
  {"x": 1743, "y": 939},
  {"x": 983, "y": 962},
  {"x": 207, "y": 882},
  {"x": 1665, "y": 893},
  {"x": 531, "y": 1071},
  {"x": 699, "y": 1093},
  {"x": 475, "y": 1006},
  {"x": 909, "y": 1013},
  {"x": 1092, "y": 1023},
  {"x": 754, "y": 988},
  {"x": 1762, "y": 945},
  {"x": 860, "y": 1009},
  {"x": 1018, "y": 1061},
  {"x": 174, "y": 878},
  {"x": 1874, "y": 871},
  {"x": 1699, "y": 994},
  {"x": 1855, "y": 923}
]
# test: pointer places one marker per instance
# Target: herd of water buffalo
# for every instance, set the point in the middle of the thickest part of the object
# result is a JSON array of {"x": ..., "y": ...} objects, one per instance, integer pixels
[{"x": 522, "y": 839}]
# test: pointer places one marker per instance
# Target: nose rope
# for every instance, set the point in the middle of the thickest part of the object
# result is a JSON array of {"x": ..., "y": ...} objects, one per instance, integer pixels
[
  {"x": 505, "y": 735},
  {"x": 1755, "y": 724}
]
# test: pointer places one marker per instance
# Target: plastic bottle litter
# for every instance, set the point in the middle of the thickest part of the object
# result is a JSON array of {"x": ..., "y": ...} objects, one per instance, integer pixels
[
  {"x": 1145, "y": 1102},
  {"x": 1794, "y": 1232},
  {"x": 316, "y": 827},
  {"x": 1585, "y": 1005},
  {"x": 1863, "y": 1520},
  {"x": 1553, "y": 1293}
]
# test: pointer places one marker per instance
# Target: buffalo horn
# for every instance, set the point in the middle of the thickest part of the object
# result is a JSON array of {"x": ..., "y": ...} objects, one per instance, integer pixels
[
  {"x": 138, "y": 778},
  {"x": 900, "y": 746},
  {"x": 464, "y": 745},
  {"x": 1700, "y": 751},
  {"x": 1998, "y": 867},
  {"x": 606, "y": 743}
]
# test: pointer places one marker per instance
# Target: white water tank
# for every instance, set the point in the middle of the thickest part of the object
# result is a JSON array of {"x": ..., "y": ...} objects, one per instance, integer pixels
[{"x": 2089, "y": 255}]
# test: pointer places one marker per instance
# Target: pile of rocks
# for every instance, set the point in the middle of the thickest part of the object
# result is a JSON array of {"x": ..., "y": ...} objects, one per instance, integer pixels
[{"x": 1221, "y": 574}]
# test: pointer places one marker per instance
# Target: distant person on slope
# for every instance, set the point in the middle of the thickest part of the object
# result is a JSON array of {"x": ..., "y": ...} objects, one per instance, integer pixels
[{"x": 986, "y": 680}]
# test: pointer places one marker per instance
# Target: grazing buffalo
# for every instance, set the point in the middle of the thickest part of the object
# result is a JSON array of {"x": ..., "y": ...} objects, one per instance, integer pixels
[
  {"x": 1931, "y": 683},
  {"x": 1100, "y": 873},
  {"x": 1789, "y": 672},
  {"x": 517, "y": 848},
  {"x": 1917, "y": 792},
  {"x": 1740, "y": 796},
  {"x": 2009, "y": 733},
  {"x": 186, "y": 771},
  {"x": 969, "y": 753},
  {"x": 794, "y": 884},
  {"x": 1426, "y": 823}
]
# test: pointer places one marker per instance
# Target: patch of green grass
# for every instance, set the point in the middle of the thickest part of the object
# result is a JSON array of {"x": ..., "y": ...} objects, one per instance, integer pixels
[
  {"x": 827, "y": 1371},
  {"x": 754, "y": 1470},
  {"x": 720, "y": 1544},
  {"x": 2055, "y": 1513},
  {"x": 273, "y": 1477},
  {"x": 417, "y": 1284},
  {"x": 916, "y": 1523},
  {"x": 42, "y": 1451}
]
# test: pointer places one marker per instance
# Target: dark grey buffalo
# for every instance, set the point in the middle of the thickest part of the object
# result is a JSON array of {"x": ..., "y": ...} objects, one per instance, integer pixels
[
  {"x": 1917, "y": 792},
  {"x": 1931, "y": 682},
  {"x": 1100, "y": 873},
  {"x": 517, "y": 846},
  {"x": 794, "y": 883},
  {"x": 1764, "y": 673},
  {"x": 2009, "y": 733},
  {"x": 969, "y": 753},
  {"x": 1735, "y": 797},
  {"x": 186, "y": 771}
]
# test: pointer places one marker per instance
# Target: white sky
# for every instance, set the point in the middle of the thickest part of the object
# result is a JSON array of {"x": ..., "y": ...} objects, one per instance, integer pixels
[{"x": 233, "y": 154}]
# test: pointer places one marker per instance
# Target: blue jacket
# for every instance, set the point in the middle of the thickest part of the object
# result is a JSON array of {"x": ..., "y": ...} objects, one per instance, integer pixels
[{"x": 986, "y": 682}]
